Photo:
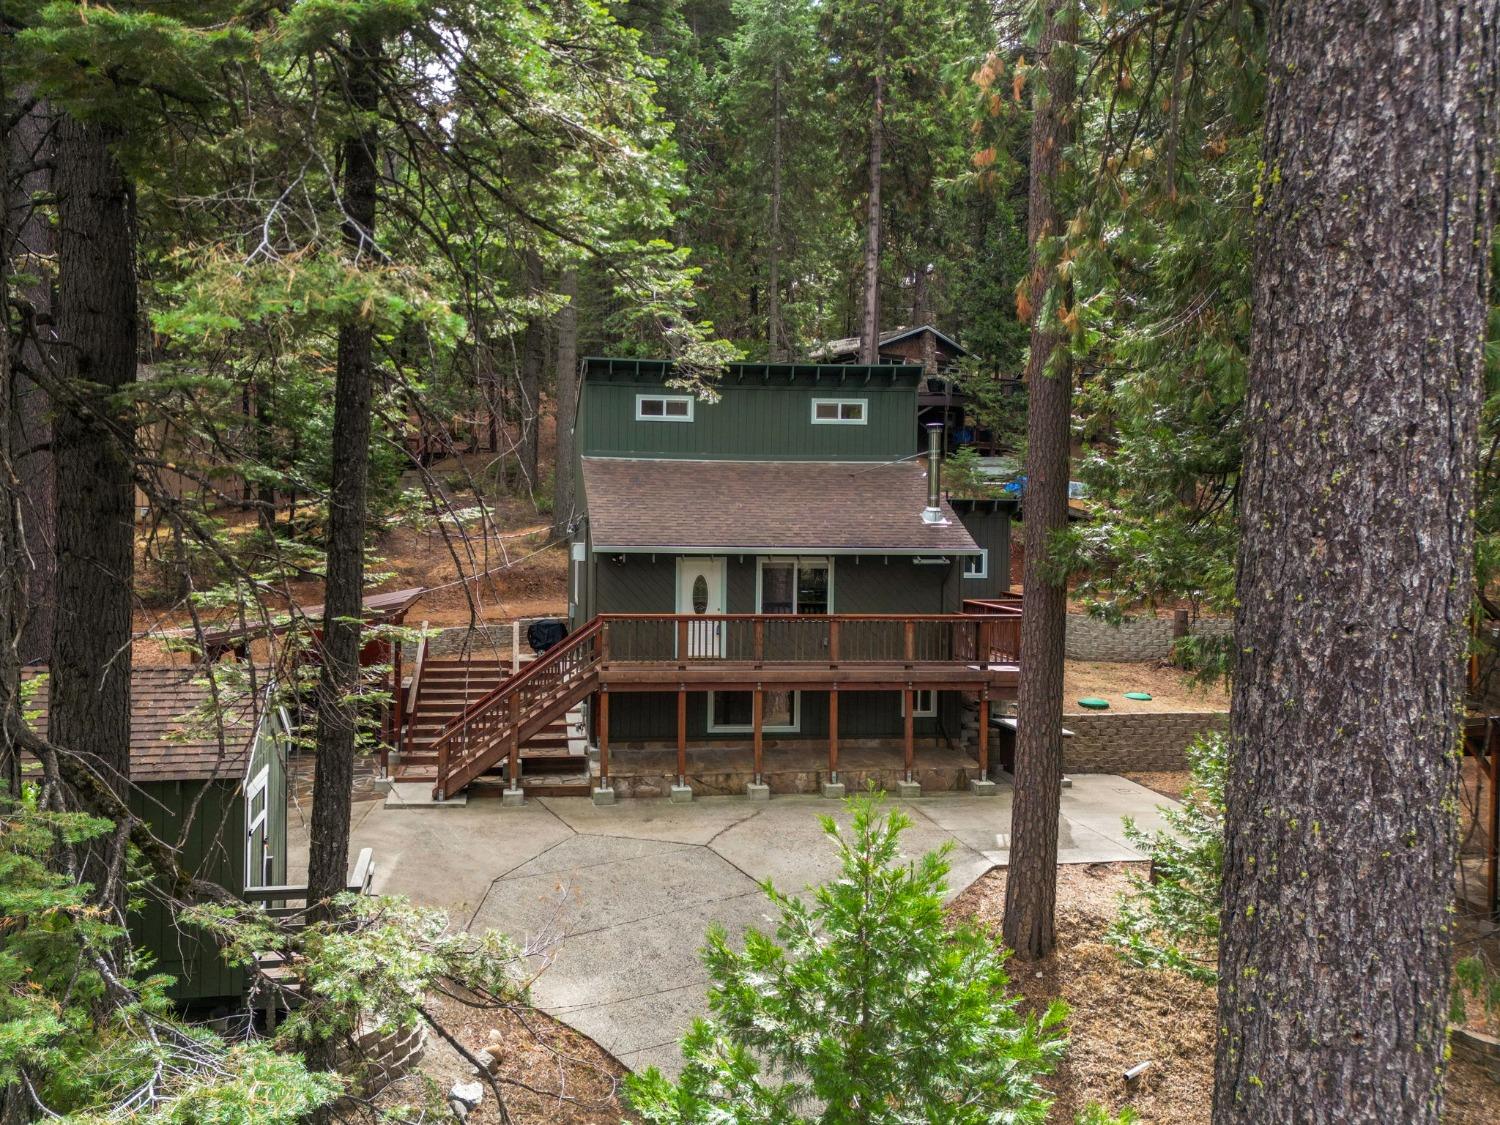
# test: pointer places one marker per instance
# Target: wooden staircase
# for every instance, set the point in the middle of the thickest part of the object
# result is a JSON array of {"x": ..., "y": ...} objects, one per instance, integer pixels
[{"x": 451, "y": 711}]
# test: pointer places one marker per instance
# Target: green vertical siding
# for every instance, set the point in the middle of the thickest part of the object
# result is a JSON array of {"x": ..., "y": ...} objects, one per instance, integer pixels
[
  {"x": 989, "y": 526},
  {"x": 652, "y": 717},
  {"x": 860, "y": 584},
  {"x": 213, "y": 850},
  {"x": 755, "y": 419}
]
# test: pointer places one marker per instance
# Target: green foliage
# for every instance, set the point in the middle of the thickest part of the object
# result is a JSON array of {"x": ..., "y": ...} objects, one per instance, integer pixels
[
  {"x": 963, "y": 477},
  {"x": 1171, "y": 919},
  {"x": 864, "y": 1005},
  {"x": 1209, "y": 657},
  {"x": 378, "y": 959},
  {"x": 1159, "y": 254},
  {"x": 1476, "y": 991},
  {"x": 91, "y": 1044},
  {"x": 48, "y": 930}
]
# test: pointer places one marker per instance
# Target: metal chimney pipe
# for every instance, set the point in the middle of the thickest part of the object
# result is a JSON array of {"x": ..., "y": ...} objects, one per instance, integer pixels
[{"x": 933, "y": 513}]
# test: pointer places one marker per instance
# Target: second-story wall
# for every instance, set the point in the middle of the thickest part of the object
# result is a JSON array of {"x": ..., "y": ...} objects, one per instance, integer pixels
[{"x": 764, "y": 411}]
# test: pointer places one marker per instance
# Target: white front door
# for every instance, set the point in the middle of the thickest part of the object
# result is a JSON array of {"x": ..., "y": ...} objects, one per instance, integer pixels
[{"x": 700, "y": 592}]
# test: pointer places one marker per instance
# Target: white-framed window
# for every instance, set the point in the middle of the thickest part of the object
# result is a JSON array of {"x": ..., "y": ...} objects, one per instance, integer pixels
[
  {"x": 977, "y": 566},
  {"x": 255, "y": 799},
  {"x": 257, "y": 845},
  {"x": 840, "y": 411},
  {"x": 925, "y": 701},
  {"x": 794, "y": 585},
  {"x": 733, "y": 712},
  {"x": 663, "y": 408}
]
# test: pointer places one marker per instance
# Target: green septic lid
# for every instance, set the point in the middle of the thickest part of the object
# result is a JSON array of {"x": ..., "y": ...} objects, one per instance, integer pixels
[
  {"x": 1137, "y": 695},
  {"x": 1094, "y": 704}
]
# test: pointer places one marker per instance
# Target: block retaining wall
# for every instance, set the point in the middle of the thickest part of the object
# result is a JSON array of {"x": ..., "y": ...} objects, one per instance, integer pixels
[
  {"x": 1104, "y": 743},
  {"x": 1138, "y": 639}
]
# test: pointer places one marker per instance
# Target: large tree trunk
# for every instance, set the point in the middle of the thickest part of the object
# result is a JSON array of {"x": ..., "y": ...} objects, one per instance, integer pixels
[
  {"x": 533, "y": 359},
  {"x": 89, "y": 688},
  {"x": 775, "y": 332},
  {"x": 339, "y": 675},
  {"x": 12, "y": 588},
  {"x": 869, "y": 351},
  {"x": 563, "y": 486},
  {"x": 1355, "y": 568},
  {"x": 1031, "y": 886},
  {"x": 29, "y": 247}
]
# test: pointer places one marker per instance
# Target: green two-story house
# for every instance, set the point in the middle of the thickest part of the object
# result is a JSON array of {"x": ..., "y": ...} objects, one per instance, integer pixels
[{"x": 796, "y": 495}]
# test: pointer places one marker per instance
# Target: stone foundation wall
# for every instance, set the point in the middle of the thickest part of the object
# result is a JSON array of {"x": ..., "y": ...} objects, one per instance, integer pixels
[
  {"x": 1139, "y": 639},
  {"x": 715, "y": 783},
  {"x": 1123, "y": 743}
]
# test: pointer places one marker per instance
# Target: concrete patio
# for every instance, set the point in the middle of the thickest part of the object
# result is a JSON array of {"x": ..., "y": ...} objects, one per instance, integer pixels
[{"x": 628, "y": 890}]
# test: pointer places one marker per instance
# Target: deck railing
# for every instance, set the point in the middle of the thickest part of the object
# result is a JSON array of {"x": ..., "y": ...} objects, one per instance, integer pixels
[
  {"x": 1005, "y": 639},
  {"x": 828, "y": 640},
  {"x": 469, "y": 742},
  {"x": 493, "y": 727}
]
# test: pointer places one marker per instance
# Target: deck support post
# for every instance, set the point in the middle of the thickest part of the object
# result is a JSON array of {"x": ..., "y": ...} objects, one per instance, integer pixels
[
  {"x": 982, "y": 786},
  {"x": 756, "y": 723},
  {"x": 909, "y": 739},
  {"x": 984, "y": 734},
  {"x": 513, "y": 793},
  {"x": 833, "y": 788},
  {"x": 601, "y": 732},
  {"x": 398, "y": 710},
  {"x": 681, "y": 735},
  {"x": 833, "y": 736}
]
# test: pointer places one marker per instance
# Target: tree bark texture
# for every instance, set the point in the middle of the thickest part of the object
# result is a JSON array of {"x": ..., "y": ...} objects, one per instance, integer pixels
[
  {"x": 1355, "y": 568},
  {"x": 12, "y": 585},
  {"x": 775, "y": 332},
  {"x": 564, "y": 488},
  {"x": 533, "y": 359},
  {"x": 870, "y": 329},
  {"x": 339, "y": 674},
  {"x": 1031, "y": 887},
  {"x": 89, "y": 689},
  {"x": 30, "y": 251}
]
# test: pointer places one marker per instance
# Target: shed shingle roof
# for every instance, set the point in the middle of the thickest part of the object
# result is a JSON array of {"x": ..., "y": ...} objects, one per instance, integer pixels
[
  {"x": 792, "y": 506},
  {"x": 169, "y": 739}
]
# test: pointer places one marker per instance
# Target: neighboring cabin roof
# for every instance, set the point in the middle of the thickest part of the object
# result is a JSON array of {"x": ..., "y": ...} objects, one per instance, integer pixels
[
  {"x": 772, "y": 374},
  {"x": 849, "y": 345},
  {"x": 765, "y": 506},
  {"x": 169, "y": 739},
  {"x": 379, "y": 608}
]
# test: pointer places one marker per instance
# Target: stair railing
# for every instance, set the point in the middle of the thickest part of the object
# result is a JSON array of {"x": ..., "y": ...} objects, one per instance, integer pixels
[
  {"x": 488, "y": 728},
  {"x": 414, "y": 692}
]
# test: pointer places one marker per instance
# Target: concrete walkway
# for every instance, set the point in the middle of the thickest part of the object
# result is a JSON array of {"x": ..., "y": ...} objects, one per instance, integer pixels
[{"x": 628, "y": 890}]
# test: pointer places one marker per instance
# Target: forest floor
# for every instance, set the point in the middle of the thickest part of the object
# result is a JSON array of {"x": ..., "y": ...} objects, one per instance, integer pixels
[
  {"x": 549, "y": 1073},
  {"x": 1119, "y": 1016},
  {"x": 1171, "y": 689}
]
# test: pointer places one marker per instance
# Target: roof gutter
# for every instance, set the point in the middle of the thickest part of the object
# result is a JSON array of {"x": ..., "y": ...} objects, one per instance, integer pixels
[{"x": 926, "y": 551}]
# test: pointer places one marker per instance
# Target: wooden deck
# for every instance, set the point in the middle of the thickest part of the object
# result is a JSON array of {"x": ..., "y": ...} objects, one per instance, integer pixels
[{"x": 975, "y": 652}]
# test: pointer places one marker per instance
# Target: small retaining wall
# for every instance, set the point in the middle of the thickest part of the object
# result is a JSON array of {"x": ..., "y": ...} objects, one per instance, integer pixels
[
  {"x": 1104, "y": 743},
  {"x": 1138, "y": 639}
]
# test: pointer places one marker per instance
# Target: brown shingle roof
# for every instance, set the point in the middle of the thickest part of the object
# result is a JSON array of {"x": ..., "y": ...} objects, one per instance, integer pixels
[
  {"x": 169, "y": 739},
  {"x": 765, "y": 506}
]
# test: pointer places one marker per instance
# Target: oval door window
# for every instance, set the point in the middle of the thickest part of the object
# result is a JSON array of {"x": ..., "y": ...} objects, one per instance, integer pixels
[{"x": 700, "y": 594}]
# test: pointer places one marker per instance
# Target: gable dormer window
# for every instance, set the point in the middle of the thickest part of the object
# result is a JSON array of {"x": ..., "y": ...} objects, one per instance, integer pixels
[
  {"x": 840, "y": 411},
  {"x": 663, "y": 408}
]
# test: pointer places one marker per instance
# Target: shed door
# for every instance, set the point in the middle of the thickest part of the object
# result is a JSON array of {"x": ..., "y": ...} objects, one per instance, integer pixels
[{"x": 700, "y": 592}]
